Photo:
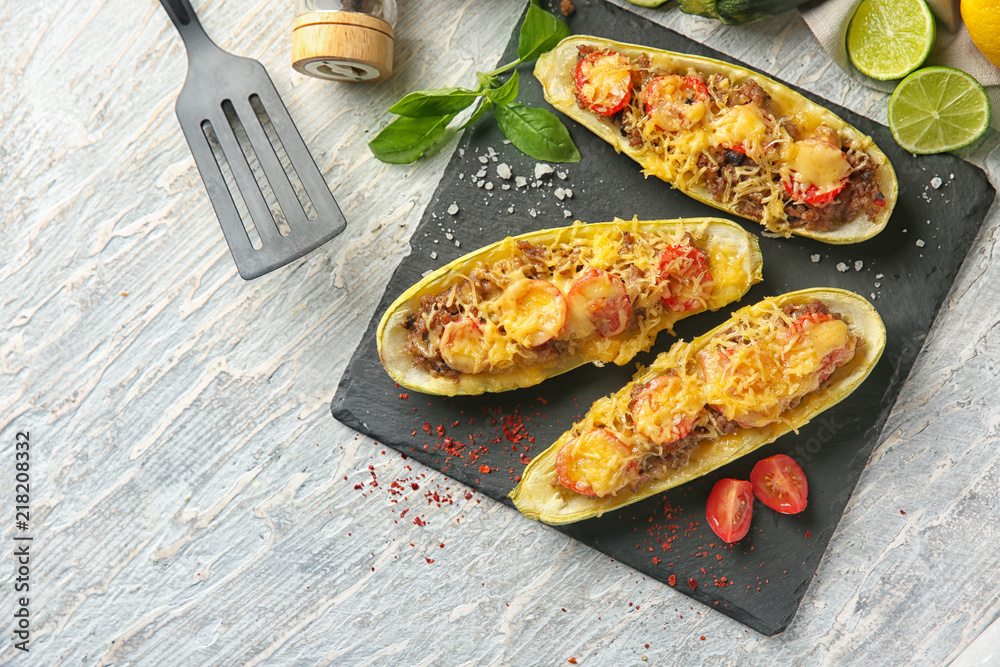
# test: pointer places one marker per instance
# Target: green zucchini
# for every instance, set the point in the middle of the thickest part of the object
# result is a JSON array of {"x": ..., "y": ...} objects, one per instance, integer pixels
[{"x": 735, "y": 12}]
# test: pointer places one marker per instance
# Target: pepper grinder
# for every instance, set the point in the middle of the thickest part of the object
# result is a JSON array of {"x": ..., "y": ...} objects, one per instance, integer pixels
[{"x": 344, "y": 40}]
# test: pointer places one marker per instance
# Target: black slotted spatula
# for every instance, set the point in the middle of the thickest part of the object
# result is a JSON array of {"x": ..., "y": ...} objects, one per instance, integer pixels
[{"x": 271, "y": 199}]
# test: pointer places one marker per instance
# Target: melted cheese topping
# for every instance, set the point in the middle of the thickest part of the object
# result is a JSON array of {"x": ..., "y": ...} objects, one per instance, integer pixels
[
  {"x": 751, "y": 373},
  {"x": 527, "y": 321},
  {"x": 766, "y": 364},
  {"x": 816, "y": 163},
  {"x": 743, "y": 126}
]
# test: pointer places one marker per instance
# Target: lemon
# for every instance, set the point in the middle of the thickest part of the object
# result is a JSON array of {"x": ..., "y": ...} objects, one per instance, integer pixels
[
  {"x": 938, "y": 109},
  {"x": 888, "y": 39},
  {"x": 982, "y": 18}
]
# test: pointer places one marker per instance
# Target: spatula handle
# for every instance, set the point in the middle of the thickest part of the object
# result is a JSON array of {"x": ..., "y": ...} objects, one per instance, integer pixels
[{"x": 185, "y": 20}]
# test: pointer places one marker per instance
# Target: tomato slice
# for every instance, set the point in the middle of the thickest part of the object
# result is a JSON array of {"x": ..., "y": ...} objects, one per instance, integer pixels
[
  {"x": 730, "y": 506},
  {"x": 675, "y": 102},
  {"x": 598, "y": 301},
  {"x": 679, "y": 265},
  {"x": 604, "y": 82},
  {"x": 812, "y": 194},
  {"x": 676, "y": 89},
  {"x": 596, "y": 463},
  {"x": 780, "y": 484}
]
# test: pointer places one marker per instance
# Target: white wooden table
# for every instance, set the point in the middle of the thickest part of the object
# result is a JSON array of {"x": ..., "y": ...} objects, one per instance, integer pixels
[{"x": 193, "y": 502}]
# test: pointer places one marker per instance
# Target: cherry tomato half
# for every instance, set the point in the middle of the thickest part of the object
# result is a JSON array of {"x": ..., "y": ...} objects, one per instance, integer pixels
[
  {"x": 674, "y": 90},
  {"x": 680, "y": 265},
  {"x": 604, "y": 82},
  {"x": 780, "y": 484},
  {"x": 812, "y": 194},
  {"x": 730, "y": 506}
]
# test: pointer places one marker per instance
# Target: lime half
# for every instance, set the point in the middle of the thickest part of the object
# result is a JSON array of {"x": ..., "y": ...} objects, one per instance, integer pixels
[
  {"x": 938, "y": 109},
  {"x": 888, "y": 39}
]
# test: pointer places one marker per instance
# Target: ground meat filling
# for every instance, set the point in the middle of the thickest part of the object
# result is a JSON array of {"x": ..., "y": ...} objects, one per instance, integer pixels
[
  {"x": 417, "y": 344},
  {"x": 718, "y": 165},
  {"x": 814, "y": 307}
]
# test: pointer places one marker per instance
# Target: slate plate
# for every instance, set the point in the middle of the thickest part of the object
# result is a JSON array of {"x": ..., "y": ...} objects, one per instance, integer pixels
[{"x": 906, "y": 271}]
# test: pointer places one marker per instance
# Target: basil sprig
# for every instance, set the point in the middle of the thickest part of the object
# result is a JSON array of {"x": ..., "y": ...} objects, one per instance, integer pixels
[{"x": 425, "y": 115}]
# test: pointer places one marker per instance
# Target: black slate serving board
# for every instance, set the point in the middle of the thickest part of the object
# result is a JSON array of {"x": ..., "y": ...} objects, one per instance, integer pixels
[{"x": 906, "y": 271}]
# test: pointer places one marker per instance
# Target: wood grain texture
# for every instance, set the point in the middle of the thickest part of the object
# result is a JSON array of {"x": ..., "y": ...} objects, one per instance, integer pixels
[{"x": 193, "y": 502}]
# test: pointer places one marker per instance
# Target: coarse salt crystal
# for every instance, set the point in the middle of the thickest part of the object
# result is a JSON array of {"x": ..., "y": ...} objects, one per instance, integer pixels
[
  {"x": 815, "y": 258},
  {"x": 936, "y": 182},
  {"x": 489, "y": 186},
  {"x": 562, "y": 175},
  {"x": 483, "y": 159},
  {"x": 434, "y": 255},
  {"x": 449, "y": 236},
  {"x": 920, "y": 243},
  {"x": 503, "y": 171},
  {"x": 533, "y": 213},
  {"x": 858, "y": 265},
  {"x": 505, "y": 186},
  {"x": 879, "y": 276},
  {"x": 567, "y": 213},
  {"x": 520, "y": 181},
  {"x": 842, "y": 267},
  {"x": 453, "y": 209},
  {"x": 542, "y": 169}
]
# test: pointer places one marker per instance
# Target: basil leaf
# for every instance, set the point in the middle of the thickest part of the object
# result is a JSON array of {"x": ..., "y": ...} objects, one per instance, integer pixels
[
  {"x": 539, "y": 33},
  {"x": 405, "y": 139},
  {"x": 506, "y": 93},
  {"x": 477, "y": 114},
  {"x": 435, "y": 102},
  {"x": 537, "y": 133}
]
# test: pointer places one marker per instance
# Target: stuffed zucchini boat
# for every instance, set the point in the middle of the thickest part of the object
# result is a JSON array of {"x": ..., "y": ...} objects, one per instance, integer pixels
[
  {"x": 532, "y": 306},
  {"x": 768, "y": 370},
  {"x": 726, "y": 136}
]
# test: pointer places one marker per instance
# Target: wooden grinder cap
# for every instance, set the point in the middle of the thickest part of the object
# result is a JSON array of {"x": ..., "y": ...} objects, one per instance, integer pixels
[{"x": 342, "y": 46}]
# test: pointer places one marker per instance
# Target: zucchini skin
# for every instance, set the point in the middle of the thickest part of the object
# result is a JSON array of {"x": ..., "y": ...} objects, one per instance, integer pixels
[
  {"x": 538, "y": 496},
  {"x": 737, "y": 12}
]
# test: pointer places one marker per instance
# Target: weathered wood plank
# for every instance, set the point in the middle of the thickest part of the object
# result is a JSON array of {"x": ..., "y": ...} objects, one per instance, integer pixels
[{"x": 194, "y": 503}]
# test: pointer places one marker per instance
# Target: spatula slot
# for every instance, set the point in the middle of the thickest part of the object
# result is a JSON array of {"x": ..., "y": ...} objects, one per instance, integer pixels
[
  {"x": 234, "y": 191},
  {"x": 279, "y": 150},
  {"x": 236, "y": 124}
]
